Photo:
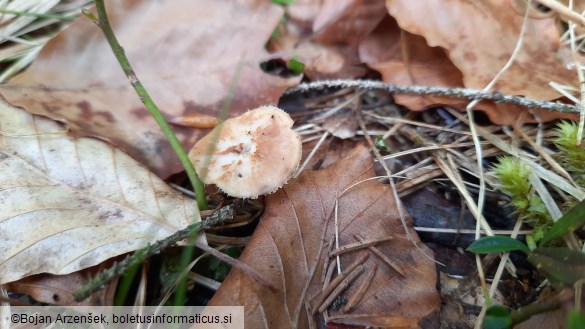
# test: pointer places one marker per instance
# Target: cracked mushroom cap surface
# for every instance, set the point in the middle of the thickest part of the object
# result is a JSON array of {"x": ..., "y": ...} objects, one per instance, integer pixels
[{"x": 255, "y": 153}]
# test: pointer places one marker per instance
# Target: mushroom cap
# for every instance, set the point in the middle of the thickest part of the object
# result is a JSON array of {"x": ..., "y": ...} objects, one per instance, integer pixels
[{"x": 255, "y": 153}]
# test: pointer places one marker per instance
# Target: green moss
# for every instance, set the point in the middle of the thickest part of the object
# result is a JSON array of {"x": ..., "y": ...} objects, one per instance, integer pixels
[
  {"x": 571, "y": 155},
  {"x": 514, "y": 177}
]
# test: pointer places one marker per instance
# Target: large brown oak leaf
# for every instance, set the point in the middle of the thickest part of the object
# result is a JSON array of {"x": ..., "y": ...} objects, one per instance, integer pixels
[{"x": 288, "y": 249}]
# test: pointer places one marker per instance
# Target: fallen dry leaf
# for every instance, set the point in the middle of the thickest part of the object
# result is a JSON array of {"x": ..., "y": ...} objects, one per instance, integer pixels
[
  {"x": 470, "y": 31},
  {"x": 70, "y": 203},
  {"x": 59, "y": 289},
  {"x": 347, "y": 21},
  {"x": 304, "y": 10},
  {"x": 325, "y": 36},
  {"x": 405, "y": 59},
  {"x": 323, "y": 61},
  {"x": 185, "y": 52},
  {"x": 288, "y": 249}
]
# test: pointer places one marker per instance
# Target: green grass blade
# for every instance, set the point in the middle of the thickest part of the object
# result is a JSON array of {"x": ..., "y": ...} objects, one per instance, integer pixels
[
  {"x": 575, "y": 320},
  {"x": 496, "y": 244},
  {"x": 570, "y": 221},
  {"x": 561, "y": 265},
  {"x": 497, "y": 317}
]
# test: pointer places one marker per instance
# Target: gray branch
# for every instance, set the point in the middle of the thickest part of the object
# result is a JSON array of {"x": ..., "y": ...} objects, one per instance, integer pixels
[
  {"x": 471, "y": 94},
  {"x": 99, "y": 282}
]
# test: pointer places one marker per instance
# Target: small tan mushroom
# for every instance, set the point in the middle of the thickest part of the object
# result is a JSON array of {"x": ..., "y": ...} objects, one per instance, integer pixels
[{"x": 255, "y": 153}]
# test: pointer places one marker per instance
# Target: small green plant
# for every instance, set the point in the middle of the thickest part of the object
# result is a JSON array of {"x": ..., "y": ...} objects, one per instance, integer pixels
[
  {"x": 514, "y": 177},
  {"x": 562, "y": 266},
  {"x": 276, "y": 32},
  {"x": 295, "y": 65},
  {"x": 572, "y": 156},
  {"x": 382, "y": 145}
]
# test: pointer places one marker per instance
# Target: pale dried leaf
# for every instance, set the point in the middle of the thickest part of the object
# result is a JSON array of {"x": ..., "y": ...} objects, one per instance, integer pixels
[
  {"x": 70, "y": 203},
  {"x": 185, "y": 52},
  {"x": 288, "y": 250}
]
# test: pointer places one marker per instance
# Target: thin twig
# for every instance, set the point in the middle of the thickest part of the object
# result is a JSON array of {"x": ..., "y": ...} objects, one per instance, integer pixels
[
  {"x": 465, "y": 93},
  {"x": 104, "y": 24},
  {"x": 383, "y": 257},
  {"x": 245, "y": 268},
  {"x": 99, "y": 282},
  {"x": 341, "y": 287},
  {"x": 357, "y": 296},
  {"x": 394, "y": 192},
  {"x": 328, "y": 274},
  {"x": 311, "y": 155},
  {"x": 564, "y": 11},
  {"x": 479, "y": 158},
  {"x": 320, "y": 298},
  {"x": 359, "y": 245}
]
